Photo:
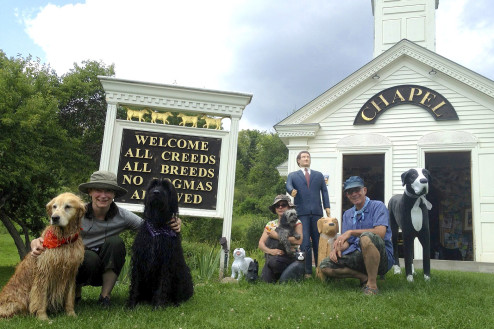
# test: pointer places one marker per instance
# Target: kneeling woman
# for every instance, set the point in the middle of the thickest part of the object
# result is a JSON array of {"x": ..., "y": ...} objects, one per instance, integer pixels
[{"x": 276, "y": 259}]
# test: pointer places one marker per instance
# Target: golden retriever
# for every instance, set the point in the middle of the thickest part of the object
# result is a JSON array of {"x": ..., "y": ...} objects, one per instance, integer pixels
[{"x": 47, "y": 282}]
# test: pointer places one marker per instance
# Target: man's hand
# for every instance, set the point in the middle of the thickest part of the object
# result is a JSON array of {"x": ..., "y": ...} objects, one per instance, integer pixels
[
  {"x": 328, "y": 212},
  {"x": 340, "y": 241},
  {"x": 294, "y": 193},
  {"x": 337, "y": 249},
  {"x": 37, "y": 247},
  {"x": 333, "y": 256}
]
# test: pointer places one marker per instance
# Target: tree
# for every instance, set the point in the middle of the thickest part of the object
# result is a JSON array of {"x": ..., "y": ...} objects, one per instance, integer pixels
[
  {"x": 83, "y": 106},
  {"x": 37, "y": 155},
  {"x": 257, "y": 180}
]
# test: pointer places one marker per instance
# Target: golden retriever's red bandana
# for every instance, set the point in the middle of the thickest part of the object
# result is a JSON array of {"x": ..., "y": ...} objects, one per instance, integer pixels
[{"x": 52, "y": 241}]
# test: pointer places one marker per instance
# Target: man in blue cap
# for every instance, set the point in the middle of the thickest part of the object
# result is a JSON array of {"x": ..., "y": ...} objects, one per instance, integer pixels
[{"x": 364, "y": 249}]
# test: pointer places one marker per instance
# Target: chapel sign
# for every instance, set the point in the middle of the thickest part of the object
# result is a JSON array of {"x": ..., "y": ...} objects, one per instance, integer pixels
[
  {"x": 437, "y": 105},
  {"x": 198, "y": 160},
  {"x": 191, "y": 163}
]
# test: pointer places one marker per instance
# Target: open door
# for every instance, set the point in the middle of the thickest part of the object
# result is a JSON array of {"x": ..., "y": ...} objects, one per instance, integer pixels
[
  {"x": 371, "y": 168},
  {"x": 450, "y": 192}
]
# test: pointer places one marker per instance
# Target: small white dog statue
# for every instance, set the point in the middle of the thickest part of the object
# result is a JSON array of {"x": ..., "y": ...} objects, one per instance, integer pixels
[{"x": 240, "y": 264}]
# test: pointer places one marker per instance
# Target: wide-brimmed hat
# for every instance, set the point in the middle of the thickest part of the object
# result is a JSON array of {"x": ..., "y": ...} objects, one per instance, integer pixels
[
  {"x": 281, "y": 197},
  {"x": 353, "y": 181},
  {"x": 103, "y": 180}
]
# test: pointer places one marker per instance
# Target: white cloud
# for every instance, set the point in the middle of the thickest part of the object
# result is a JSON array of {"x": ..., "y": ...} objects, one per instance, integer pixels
[
  {"x": 467, "y": 42},
  {"x": 285, "y": 55},
  {"x": 246, "y": 124},
  {"x": 158, "y": 41}
]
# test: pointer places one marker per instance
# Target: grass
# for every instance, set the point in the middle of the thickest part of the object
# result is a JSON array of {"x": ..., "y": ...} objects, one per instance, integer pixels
[
  {"x": 449, "y": 300},
  {"x": 208, "y": 262},
  {"x": 8, "y": 251}
]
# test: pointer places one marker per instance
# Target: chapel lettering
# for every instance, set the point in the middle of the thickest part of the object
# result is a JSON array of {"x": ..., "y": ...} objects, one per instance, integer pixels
[{"x": 436, "y": 104}]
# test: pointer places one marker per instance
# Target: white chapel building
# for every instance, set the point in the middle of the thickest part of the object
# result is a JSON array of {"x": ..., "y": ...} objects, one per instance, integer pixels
[{"x": 408, "y": 107}]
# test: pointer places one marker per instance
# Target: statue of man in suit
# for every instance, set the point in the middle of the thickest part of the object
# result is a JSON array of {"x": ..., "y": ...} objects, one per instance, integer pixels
[{"x": 308, "y": 188}]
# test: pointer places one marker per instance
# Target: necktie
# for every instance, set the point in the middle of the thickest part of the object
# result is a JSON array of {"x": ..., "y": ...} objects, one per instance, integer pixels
[{"x": 307, "y": 177}]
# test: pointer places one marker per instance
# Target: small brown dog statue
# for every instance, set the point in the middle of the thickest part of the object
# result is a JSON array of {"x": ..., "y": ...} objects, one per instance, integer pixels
[{"x": 328, "y": 228}]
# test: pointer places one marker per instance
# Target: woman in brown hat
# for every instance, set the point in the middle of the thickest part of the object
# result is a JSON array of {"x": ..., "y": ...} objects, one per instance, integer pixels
[
  {"x": 104, "y": 220},
  {"x": 277, "y": 261}
]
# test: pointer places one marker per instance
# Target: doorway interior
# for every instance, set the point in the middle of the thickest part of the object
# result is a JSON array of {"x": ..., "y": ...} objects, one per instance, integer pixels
[
  {"x": 450, "y": 192},
  {"x": 371, "y": 168}
]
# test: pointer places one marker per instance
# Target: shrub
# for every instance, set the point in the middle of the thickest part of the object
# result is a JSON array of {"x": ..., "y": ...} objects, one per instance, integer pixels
[
  {"x": 237, "y": 234},
  {"x": 206, "y": 230},
  {"x": 254, "y": 232},
  {"x": 191, "y": 249},
  {"x": 128, "y": 237}
]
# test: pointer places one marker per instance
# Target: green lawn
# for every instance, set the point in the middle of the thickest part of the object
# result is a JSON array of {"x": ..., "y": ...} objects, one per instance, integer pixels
[
  {"x": 449, "y": 300},
  {"x": 8, "y": 251}
]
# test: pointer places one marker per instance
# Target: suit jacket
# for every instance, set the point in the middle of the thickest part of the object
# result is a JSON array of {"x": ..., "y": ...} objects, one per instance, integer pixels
[{"x": 308, "y": 199}]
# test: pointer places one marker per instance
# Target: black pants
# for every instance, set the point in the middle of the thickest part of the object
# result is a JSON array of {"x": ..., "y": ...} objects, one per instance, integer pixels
[
  {"x": 274, "y": 267},
  {"x": 110, "y": 256}
]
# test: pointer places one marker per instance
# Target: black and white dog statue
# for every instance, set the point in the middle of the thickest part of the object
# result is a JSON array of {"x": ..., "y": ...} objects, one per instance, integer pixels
[
  {"x": 159, "y": 273},
  {"x": 410, "y": 212},
  {"x": 296, "y": 270}
]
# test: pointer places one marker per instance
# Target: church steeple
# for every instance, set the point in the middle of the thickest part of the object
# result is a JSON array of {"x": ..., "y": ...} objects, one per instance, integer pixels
[{"x": 395, "y": 20}]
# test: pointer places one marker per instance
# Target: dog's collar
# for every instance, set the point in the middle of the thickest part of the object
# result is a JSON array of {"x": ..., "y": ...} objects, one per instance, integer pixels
[
  {"x": 411, "y": 195},
  {"x": 422, "y": 197},
  {"x": 166, "y": 231},
  {"x": 51, "y": 241}
]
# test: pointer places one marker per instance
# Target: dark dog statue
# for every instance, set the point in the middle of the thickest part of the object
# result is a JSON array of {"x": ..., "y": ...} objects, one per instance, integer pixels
[
  {"x": 410, "y": 212},
  {"x": 159, "y": 272},
  {"x": 252, "y": 272},
  {"x": 285, "y": 229}
]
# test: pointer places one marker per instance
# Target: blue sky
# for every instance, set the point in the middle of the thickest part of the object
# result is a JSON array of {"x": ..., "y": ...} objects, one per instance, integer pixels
[{"x": 285, "y": 53}]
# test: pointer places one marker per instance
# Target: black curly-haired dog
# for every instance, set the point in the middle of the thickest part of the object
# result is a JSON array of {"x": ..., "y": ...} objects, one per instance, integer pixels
[
  {"x": 285, "y": 229},
  {"x": 159, "y": 272}
]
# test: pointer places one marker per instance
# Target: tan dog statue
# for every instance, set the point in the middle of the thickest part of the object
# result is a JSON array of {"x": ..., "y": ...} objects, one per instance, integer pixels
[{"x": 328, "y": 228}]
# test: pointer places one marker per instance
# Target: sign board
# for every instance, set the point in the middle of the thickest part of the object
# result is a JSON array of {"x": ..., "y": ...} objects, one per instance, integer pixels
[
  {"x": 199, "y": 161},
  {"x": 191, "y": 163}
]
